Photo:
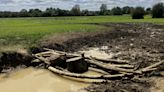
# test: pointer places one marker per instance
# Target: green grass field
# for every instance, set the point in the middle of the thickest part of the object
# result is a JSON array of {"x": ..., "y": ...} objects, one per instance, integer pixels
[{"x": 25, "y": 31}]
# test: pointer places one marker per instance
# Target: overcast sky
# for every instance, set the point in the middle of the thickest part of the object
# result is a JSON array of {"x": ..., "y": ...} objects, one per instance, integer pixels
[{"x": 17, "y": 5}]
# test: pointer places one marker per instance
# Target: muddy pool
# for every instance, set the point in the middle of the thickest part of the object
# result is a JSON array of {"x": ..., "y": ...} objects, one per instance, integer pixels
[{"x": 40, "y": 80}]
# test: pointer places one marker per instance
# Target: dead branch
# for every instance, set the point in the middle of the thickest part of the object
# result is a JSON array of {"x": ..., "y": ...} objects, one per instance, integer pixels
[
  {"x": 111, "y": 60},
  {"x": 74, "y": 59},
  {"x": 44, "y": 53},
  {"x": 106, "y": 65},
  {"x": 46, "y": 61},
  {"x": 98, "y": 70},
  {"x": 112, "y": 67},
  {"x": 151, "y": 66},
  {"x": 85, "y": 76},
  {"x": 121, "y": 66},
  {"x": 115, "y": 65},
  {"x": 65, "y": 53},
  {"x": 149, "y": 70}
]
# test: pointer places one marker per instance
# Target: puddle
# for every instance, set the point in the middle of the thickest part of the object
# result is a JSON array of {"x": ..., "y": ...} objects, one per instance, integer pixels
[
  {"x": 33, "y": 80},
  {"x": 40, "y": 80}
]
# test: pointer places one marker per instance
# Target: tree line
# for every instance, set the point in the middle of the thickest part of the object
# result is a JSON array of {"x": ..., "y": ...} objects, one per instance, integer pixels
[{"x": 157, "y": 11}]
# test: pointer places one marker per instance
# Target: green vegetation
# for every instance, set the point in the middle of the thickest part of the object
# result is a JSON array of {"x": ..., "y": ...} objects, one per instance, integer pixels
[
  {"x": 26, "y": 31},
  {"x": 138, "y": 13},
  {"x": 158, "y": 10},
  {"x": 116, "y": 11}
]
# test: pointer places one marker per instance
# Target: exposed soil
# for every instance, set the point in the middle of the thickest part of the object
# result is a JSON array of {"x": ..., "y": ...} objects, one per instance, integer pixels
[
  {"x": 140, "y": 43},
  {"x": 121, "y": 86}
]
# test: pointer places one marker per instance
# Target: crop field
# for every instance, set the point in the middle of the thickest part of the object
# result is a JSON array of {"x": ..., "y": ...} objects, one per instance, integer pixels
[{"x": 27, "y": 31}]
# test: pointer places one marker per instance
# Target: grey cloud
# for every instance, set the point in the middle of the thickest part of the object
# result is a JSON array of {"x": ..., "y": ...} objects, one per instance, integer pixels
[
  {"x": 6, "y": 1},
  {"x": 67, "y": 4}
]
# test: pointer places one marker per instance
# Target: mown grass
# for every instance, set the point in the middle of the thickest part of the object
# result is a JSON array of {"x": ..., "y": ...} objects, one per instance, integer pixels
[{"x": 27, "y": 31}]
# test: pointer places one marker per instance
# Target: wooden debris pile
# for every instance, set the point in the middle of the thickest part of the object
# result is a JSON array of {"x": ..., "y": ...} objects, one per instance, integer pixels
[{"x": 72, "y": 65}]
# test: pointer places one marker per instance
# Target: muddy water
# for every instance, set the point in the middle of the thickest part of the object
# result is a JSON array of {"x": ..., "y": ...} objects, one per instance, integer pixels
[
  {"x": 42, "y": 80},
  {"x": 39, "y": 80}
]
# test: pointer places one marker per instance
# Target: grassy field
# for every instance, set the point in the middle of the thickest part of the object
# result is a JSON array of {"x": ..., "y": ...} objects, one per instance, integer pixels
[{"x": 26, "y": 31}]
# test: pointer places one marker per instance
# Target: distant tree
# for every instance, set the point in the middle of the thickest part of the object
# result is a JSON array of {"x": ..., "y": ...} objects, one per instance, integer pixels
[
  {"x": 65, "y": 13},
  {"x": 103, "y": 9},
  {"x": 158, "y": 10},
  {"x": 75, "y": 11},
  {"x": 148, "y": 10},
  {"x": 35, "y": 13},
  {"x": 5, "y": 14},
  {"x": 138, "y": 13},
  {"x": 23, "y": 13},
  {"x": 14, "y": 14},
  {"x": 126, "y": 10},
  {"x": 61, "y": 12},
  {"x": 89, "y": 13},
  {"x": 48, "y": 12},
  {"x": 116, "y": 11},
  {"x": 85, "y": 12}
]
